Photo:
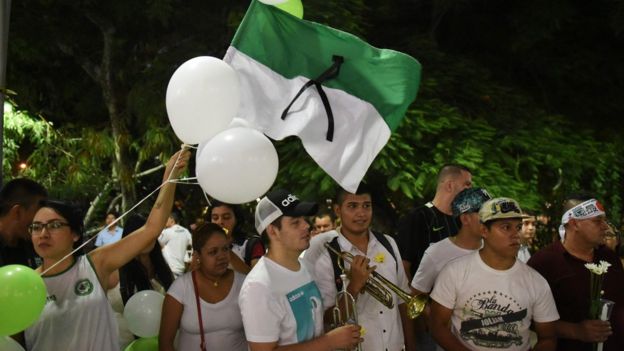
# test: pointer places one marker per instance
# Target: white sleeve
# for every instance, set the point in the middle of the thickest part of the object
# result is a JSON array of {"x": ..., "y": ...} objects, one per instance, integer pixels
[
  {"x": 324, "y": 277},
  {"x": 402, "y": 280},
  {"x": 163, "y": 238},
  {"x": 544, "y": 307},
  {"x": 181, "y": 287},
  {"x": 445, "y": 289},
  {"x": 189, "y": 238},
  {"x": 262, "y": 314},
  {"x": 426, "y": 274}
]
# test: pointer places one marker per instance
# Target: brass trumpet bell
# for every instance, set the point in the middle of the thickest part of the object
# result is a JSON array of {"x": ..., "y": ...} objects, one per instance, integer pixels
[{"x": 379, "y": 288}]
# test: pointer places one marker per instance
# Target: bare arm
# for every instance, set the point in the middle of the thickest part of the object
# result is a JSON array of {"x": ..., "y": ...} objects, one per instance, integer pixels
[
  {"x": 238, "y": 264},
  {"x": 254, "y": 261},
  {"x": 422, "y": 322},
  {"x": 440, "y": 329},
  {"x": 113, "y": 279},
  {"x": 408, "y": 329},
  {"x": 111, "y": 257},
  {"x": 587, "y": 330},
  {"x": 345, "y": 337},
  {"x": 169, "y": 323},
  {"x": 546, "y": 336},
  {"x": 407, "y": 265}
]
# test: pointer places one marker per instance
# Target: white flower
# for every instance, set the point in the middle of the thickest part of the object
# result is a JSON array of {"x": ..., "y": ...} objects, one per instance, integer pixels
[
  {"x": 592, "y": 268},
  {"x": 598, "y": 269}
]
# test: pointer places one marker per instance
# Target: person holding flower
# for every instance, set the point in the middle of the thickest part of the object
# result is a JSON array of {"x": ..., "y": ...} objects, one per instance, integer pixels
[{"x": 576, "y": 286}]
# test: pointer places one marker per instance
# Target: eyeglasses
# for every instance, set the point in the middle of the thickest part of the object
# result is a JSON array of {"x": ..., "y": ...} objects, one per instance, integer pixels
[{"x": 54, "y": 226}]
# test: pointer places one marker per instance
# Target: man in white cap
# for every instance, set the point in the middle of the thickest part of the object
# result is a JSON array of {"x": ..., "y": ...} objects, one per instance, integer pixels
[
  {"x": 280, "y": 303},
  {"x": 563, "y": 265},
  {"x": 489, "y": 297}
]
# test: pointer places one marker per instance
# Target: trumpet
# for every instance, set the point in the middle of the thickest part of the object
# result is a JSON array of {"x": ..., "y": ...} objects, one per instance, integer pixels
[
  {"x": 350, "y": 310},
  {"x": 379, "y": 288}
]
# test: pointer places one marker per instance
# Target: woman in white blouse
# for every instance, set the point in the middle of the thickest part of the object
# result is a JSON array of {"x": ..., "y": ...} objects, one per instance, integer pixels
[{"x": 212, "y": 290}]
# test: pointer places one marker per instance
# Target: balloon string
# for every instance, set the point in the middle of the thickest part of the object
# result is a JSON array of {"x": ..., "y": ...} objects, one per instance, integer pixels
[
  {"x": 169, "y": 180},
  {"x": 108, "y": 226}
]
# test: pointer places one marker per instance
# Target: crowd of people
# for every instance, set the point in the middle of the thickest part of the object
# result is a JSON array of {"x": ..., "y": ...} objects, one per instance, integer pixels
[{"x": 471, "y": 253}]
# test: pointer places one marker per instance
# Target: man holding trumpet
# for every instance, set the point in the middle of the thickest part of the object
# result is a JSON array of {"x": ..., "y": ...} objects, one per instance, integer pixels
[{"x": 383, "y": 328}]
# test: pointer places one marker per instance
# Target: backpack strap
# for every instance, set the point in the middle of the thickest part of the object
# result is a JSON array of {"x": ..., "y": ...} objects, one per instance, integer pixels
[
  {"x": 334, "y": 259},
  {"x": 384, "y": 241}
]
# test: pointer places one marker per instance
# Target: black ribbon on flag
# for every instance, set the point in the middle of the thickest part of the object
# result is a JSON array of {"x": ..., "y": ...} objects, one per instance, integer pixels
[{"x": 330, "y": 73}]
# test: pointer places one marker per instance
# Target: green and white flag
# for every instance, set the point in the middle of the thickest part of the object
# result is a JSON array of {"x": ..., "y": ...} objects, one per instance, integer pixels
[{"x": 341, "y": 96}]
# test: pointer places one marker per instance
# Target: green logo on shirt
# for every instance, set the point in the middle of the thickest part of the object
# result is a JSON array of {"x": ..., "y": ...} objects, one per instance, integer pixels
[{"x": 83, "y": 287}]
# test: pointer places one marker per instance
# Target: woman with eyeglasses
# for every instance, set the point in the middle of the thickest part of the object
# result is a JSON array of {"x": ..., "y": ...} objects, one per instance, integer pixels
[
  {"x": 203, "y": 304},
  {"x": 77, "y": 314}
]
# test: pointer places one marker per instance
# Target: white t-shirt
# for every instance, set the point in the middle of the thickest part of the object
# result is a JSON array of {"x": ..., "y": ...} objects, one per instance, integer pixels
[
  {"x": 383, "y": 327},
  {"x": 223, "y": 326},
  {"x": 280, "y": 305},
  {"x": 77, "y": 314},
  {"x": 174, "y": 241},
  {"x": 435, "y": 258},
  {"x": 493, "y": 309}
]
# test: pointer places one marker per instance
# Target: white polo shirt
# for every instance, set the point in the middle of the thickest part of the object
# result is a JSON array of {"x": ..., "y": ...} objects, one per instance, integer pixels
[{"x": 383, "y": 328}]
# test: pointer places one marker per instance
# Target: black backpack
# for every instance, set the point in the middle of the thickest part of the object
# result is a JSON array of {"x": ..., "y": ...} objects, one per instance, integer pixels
[
  {"x": 334, "y": 258},
  {"x": 251, "y": 242}
]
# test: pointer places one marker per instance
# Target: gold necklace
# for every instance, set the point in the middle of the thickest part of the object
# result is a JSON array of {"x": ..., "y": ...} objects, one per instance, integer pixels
[{"x": 215, "y": 283}]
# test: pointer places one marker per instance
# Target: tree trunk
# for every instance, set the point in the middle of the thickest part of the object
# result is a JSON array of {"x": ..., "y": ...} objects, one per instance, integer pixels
[{"x": 122, "y": 163}]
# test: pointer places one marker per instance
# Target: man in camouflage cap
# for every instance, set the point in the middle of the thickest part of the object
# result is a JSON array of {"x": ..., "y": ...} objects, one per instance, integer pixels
[{"x": 489, "y": 298}]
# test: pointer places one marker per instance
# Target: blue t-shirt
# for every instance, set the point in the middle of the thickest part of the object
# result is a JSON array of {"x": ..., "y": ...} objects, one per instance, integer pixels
[{"x": 105, "y": 237}]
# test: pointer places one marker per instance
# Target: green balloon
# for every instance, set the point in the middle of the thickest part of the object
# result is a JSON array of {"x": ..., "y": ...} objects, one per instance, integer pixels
[
  {"x": 22, "y": 297},
  {"x": 294, "y": 7},
  {"x": 143, "y": 344}
]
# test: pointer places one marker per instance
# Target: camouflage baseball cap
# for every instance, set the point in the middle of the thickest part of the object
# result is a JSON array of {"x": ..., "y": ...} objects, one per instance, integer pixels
[
  {"x": 469, "y": 200},
  {"x": 500, "y": 208}
]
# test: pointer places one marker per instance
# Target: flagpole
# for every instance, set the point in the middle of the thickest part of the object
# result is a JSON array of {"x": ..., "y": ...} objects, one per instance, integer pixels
[{"x": 5, "y": 14}]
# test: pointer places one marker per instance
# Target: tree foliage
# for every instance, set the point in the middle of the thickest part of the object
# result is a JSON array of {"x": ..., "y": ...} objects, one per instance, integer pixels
[{"x": 526, "y": 93}]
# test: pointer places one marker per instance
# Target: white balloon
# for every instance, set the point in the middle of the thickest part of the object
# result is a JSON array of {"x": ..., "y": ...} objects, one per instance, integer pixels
[
  {"x": 142, "y": 312},
  {"x": 8, "y": 344},
  {"x": 237, "y": 165},
  {"x": 239, "y": 122},
  {"x": 199, "y": 150},
  {"x": 272, "y": 2},
  {"x": 202, "y": 98}
]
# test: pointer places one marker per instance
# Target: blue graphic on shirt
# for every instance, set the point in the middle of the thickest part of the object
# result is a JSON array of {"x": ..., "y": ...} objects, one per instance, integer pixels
[{"x": 305, "y": 303}]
